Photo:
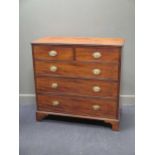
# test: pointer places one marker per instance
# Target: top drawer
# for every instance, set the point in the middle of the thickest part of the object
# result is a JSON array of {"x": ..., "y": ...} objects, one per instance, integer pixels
[
  {"x": 108, "y": 54},
  {"x": 47, "y": 52}
]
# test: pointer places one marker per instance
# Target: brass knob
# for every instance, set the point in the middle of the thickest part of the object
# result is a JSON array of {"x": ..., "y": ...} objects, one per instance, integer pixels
[
  {"x": 97, "y": 55},
  {"x": 96, "y": 107},
  {"x": 55, "y": 103},
  {"x": 96, "y": 71},
  {"x": 54, "y": 85},
  {"x": 52, "y": 53},
  {"x": 53, "y": 68},
  {"x": 96, "y": 89}
]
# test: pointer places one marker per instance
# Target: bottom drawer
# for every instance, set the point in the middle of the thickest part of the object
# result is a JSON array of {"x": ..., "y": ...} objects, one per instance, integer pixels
[{"x": 83, "y": 106}]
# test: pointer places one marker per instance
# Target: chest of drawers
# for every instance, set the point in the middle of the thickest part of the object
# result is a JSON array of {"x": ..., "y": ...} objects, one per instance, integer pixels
[{"x": 78, "y": 77}]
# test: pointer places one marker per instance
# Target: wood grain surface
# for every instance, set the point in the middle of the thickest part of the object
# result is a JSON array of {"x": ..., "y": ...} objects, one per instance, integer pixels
[
  {"x": 76, "y": 86},
  {"x": 80, "y": 41},
  {"x": 78, "y": 106},
  {"x": 41, "y": 52},
  {"x": 109, "y": 71},
  {"x": 108, "y": 54}
]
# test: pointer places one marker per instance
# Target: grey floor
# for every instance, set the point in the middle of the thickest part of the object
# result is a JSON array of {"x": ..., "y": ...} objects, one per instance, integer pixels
[{"x": 58, "y": 136}]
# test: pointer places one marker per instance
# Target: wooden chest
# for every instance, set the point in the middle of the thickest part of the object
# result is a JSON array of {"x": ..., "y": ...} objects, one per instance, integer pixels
[{"x": 78, "y": 77}]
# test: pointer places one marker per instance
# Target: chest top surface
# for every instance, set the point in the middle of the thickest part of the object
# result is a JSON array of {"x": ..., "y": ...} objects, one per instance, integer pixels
[{"x": 80, "y": 41}]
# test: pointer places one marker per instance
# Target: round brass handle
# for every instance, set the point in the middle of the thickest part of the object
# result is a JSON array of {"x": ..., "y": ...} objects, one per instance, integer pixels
[
  {"x": 96, "y": 89},
  {"x": 96, "y": 107},
  {"x": 52, "y": 53},
  {"x": 97, "y": 55},
  {"x": 54, "y": 85},
  {"x": 55, "y": 103},
  {"x": 53, "y": 68},
  {"x": 96, "y": 71}
]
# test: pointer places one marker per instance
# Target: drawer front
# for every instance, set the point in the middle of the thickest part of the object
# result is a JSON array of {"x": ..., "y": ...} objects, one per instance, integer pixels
[
  {"x": 107, "y": 54},
  {"x": 52, "y": 52},
  {"x": 76, "y": 86},
  {"x": 78, "y": 106},
  {"x": 77, "y": 70}
]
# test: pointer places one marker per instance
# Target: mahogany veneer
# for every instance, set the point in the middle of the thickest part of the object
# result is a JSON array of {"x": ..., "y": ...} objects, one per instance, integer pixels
[
  {"x": 109, "y": 54},
  {"x": 78, "y": 105},
  {"x": 76, "y": 86},
  {"x": 78, "y": 77},
  {"x": 76, "y": 69},
  {"x": 41, "y": 53}
]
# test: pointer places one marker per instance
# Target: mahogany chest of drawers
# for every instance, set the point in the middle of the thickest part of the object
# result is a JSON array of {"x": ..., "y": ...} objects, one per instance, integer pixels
[{"x": 78, "y": 77}]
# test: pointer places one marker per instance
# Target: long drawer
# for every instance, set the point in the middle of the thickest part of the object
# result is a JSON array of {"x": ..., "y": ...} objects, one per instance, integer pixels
[
  {"x": 78, "y": 69},
  {"x": 78, "y": 106},
  {"x": 76, "y": 86}
]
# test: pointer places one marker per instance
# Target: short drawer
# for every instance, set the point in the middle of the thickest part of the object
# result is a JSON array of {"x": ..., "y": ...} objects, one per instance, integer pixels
[
  {"x": 47, "y": 52},
  {"x": 107, "y": 54},
  {"x": 78, "y": 106},
  {"x": 77, "y": 87},
  {"x": 78, "y": 70}
]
